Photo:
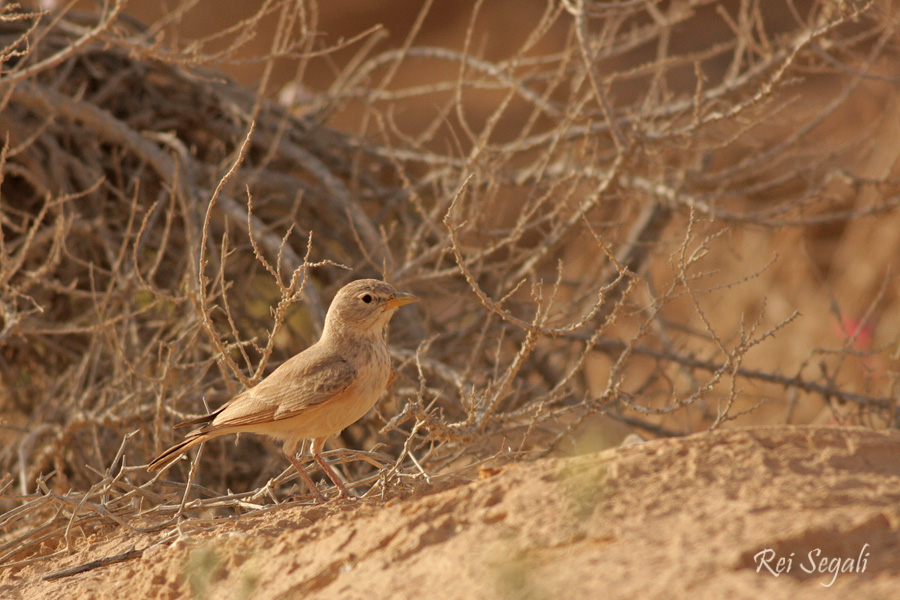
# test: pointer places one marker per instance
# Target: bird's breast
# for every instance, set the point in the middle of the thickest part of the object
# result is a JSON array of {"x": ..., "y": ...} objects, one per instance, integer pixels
[{"x": 373, "y": 366}]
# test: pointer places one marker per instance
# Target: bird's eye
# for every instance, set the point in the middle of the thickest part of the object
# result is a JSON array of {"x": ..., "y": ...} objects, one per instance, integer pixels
[{"x": 367, "y": 298}]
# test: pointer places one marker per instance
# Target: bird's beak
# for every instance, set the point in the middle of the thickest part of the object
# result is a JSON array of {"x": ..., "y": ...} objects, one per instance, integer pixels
[{"x": 400, "y": 299}]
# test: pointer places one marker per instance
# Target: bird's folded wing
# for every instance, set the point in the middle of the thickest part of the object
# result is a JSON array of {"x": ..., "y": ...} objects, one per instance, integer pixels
[{"x": 291, "y": 389}]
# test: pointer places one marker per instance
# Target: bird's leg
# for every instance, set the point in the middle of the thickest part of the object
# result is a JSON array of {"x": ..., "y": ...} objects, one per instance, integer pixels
[
  {"x": 305, "y": 476},
  {"x": 342, "y": 490},
  {"x": 317, "y": 446}
]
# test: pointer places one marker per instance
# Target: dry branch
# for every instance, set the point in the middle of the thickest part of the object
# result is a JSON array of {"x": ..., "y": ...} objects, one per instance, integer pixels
[{"x": 576, "y": 242}]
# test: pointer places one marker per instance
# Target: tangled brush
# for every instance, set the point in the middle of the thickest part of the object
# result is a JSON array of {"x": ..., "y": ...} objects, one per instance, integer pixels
[{"x": 167, "y": 237}]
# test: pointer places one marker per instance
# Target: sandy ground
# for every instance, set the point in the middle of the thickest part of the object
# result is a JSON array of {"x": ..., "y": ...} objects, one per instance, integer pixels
[{"x": 679, "y": 518}]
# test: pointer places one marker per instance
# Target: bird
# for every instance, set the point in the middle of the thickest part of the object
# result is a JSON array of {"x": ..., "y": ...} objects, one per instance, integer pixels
[{"x": 317, "y": 393}]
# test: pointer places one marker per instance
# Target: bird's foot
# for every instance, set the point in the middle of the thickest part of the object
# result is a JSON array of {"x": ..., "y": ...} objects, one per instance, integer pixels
[{"x": 343, "y": 493}]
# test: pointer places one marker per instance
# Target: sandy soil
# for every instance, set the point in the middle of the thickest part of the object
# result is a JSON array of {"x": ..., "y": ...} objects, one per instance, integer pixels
[{"x": 677, "y": 518}]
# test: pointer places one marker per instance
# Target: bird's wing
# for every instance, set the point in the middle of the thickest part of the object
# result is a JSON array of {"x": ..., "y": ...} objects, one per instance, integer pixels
[{"x": 303, "y": 381}]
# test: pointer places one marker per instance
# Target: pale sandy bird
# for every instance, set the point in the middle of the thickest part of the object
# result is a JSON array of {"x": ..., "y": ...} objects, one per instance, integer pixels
[{"x": 318, "y": 392}]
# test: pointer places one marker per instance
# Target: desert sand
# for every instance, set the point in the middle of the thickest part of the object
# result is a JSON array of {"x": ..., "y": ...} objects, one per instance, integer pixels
[
  {"x": 713, "y": 187},
  {"x": 704, "y": 516}
]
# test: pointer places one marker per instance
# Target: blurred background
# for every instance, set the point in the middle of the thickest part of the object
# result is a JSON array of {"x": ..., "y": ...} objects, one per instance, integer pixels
[{"x": 649, "y": 217}]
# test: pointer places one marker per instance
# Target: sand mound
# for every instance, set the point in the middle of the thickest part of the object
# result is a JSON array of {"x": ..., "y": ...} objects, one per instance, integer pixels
[{"x": 670, "y": 518}]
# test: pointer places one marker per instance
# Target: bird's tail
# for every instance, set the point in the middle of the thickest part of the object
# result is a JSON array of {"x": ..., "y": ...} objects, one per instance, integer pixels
[{"x": 167, "y": 458}]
